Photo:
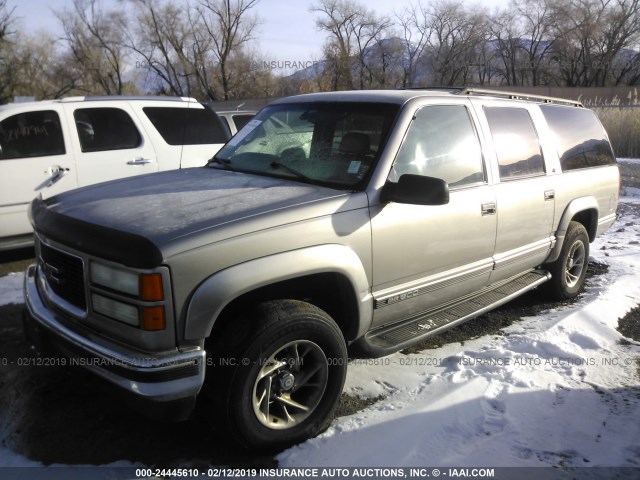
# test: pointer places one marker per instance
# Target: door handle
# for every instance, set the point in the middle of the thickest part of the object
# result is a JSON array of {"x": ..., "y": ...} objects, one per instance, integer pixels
[
  {"x": 489, "y": 208},
  {"x": 56, "y": 172},
  {"x": 549, "y": 194},
  {"x": 139, "y": 161}
]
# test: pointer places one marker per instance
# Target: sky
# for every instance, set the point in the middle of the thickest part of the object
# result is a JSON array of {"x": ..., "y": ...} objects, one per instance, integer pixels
[{"x": 287, "y": 31}]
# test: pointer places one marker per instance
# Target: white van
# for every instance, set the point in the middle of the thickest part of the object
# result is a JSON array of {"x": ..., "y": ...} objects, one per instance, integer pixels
[{"x": 52, "y": 146}]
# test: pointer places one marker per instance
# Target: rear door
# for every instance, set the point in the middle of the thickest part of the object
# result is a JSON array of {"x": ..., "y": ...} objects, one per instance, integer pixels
[
  {"x": 525, "y": 194},
  {"x": 35, "y": 158},
  {"x": 110, "y": 142}
]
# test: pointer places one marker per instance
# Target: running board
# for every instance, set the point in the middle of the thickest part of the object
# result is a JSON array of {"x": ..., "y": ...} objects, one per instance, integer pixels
[{"x": 391, "y": 338}]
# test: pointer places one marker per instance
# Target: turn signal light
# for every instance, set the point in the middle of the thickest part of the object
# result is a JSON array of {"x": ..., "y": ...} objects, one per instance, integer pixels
[
  {"x": 151, "y": 287},
  {"x": 153, "y": 319}
]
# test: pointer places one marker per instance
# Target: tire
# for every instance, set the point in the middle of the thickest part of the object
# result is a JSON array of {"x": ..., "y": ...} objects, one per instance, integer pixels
[
  {"x": 570, "y": 269},
  {"x": 281, "y": 382}
]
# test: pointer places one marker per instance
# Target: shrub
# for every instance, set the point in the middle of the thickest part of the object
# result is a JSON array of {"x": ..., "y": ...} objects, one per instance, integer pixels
[{"x": 622, "y": 123}]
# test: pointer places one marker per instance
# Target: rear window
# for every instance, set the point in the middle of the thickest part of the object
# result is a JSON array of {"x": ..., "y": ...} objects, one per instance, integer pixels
[
  {"x": 580, "y": 138},
  {"x": 187, "y": 126}
]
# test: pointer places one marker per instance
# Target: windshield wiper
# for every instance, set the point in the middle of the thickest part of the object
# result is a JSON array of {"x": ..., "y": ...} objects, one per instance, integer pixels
[
  {"x": 220, "y": 161},
  {"x": 295, "y": 172}
]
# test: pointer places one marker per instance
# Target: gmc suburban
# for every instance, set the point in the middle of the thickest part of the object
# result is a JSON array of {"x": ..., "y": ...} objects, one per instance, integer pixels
[{"x": 368, "y": 219}]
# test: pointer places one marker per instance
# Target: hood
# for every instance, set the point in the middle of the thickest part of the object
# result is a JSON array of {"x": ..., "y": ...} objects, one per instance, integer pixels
[{"x": 150, "y": 212}]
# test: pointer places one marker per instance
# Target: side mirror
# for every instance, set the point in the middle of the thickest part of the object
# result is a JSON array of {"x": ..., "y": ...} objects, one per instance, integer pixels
[{"x": 416, "y": 190}]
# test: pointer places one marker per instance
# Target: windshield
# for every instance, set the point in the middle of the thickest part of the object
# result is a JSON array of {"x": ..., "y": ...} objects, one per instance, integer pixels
[{"x": 332, "y": 144}]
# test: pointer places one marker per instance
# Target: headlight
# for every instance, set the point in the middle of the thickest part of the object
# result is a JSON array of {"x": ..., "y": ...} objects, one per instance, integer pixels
[
  {"x": 143, "y": 287},
  {"x": 146, "y": 286},
  {"x": 119, "y": 280},
  {"x": 116, "y": 310}
]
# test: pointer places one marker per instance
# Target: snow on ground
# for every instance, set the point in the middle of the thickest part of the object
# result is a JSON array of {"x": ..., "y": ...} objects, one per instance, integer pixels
[
  {"x": 633, "y": 161},
  {"x": 11, "y": 288},
  {"x": 558, "y": 389}
]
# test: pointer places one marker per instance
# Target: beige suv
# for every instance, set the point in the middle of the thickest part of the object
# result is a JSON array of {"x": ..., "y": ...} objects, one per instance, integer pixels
[{"x": 369, "y": 219}]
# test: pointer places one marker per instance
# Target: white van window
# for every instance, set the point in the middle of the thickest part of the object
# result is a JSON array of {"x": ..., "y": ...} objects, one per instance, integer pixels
[
  {"x": 101, "y": 129},
  {"x": 31, "y": 134}
]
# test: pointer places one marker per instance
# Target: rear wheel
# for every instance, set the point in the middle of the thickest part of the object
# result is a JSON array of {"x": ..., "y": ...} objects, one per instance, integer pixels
[
  {"x": 570, "y": 269},
  {"x": 283, "y": 380}
]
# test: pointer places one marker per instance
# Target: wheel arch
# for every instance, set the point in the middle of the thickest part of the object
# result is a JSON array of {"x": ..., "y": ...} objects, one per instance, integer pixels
[
  {"x": 331, "y": 277},
  {"x": 583, "y": 210}
]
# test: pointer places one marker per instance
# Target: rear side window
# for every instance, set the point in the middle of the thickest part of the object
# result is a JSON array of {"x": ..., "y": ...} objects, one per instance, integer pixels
[
  {"x": 580, "y": 138},
  {"x": 31, "y": 134},
  {"x": 187, "y": 126},
  {"x": 442, "y": 143},
  {"x": 103, "y": 129},
  {"x": 242, "y": 119},
  {"x": 516, "y": 142}
]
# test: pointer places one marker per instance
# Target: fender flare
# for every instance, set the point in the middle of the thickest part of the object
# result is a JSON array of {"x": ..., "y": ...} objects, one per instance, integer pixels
[
  {"x": 576, "y": 206},
  {"x": 220, "y": 289}
]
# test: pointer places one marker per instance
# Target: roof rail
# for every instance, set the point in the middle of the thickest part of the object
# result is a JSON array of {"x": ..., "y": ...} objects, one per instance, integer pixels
[
  {"x": 442, "y": 87},
  {"x": 518, "y": 96},
  {"x": 128, "y": 97}
]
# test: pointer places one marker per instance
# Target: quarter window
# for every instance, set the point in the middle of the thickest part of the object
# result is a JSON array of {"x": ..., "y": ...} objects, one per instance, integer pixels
[
  {"x": 32, "y": 134},
  {"x": 241, "y": 120},
  {"x": 580, "y": 139},
  {"x": 516, "y": 142},
  {"x": 442, "y": 143},
  {"x": 187, "y": 126},
  {"x": 102, "y": 129}
]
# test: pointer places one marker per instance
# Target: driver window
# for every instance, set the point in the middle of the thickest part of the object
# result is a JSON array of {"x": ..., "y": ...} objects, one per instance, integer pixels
[{"x": 441, "y": 142}]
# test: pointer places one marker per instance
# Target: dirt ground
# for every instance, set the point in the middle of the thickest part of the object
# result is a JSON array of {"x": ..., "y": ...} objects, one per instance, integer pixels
[{"x": 49, "y": 413}]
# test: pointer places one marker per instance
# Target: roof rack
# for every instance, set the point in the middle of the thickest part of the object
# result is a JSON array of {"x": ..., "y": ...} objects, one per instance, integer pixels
[
  {"x": 441, "y": 87},
  {"x": 127, "y": 97},
  {"x": 518, "y": 96}
]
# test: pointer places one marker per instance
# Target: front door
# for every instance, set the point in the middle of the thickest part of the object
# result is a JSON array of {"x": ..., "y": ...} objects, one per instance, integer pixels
[
  {"x": 426, "y": 256},
  {"x": 35, "y": 158}
]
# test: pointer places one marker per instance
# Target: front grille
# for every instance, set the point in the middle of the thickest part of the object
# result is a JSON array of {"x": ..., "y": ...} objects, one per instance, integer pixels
[{"x": 64, "y": 274}]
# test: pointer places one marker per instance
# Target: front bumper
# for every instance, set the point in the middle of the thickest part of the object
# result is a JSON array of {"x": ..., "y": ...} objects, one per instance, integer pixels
[{"x": 159, "y": 377}]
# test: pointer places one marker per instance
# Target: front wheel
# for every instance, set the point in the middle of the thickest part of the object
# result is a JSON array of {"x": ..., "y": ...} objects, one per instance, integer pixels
[
  {"x": 570, "y": 269},
  {"x": 286, "y": 377}
]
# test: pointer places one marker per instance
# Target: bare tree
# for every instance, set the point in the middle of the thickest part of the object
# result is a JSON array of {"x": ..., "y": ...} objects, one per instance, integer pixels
[
  {"x": 230, "y": 27},
  {"x": 96, "y": 41},
  {"x": 368, "y": 32},
  {"x": 359, "y": 43},
  {"x": 505, "y": 31},
  {"x": 536, "y": 17},
  {"x": 195, "y": 51},
  {"x": 337, "y": 18},
  {"x": 456, "y": 32},
  {"x": 6, "y": 20},
  {"x": 387, "y": 62},
  {"x": 591, "y": 35},
  {"x": 42, "y": 69},
  {"x": 161, "y": 43},
  {"x": 415, "y": 35},
  {"x": 7, "y": 70}
]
